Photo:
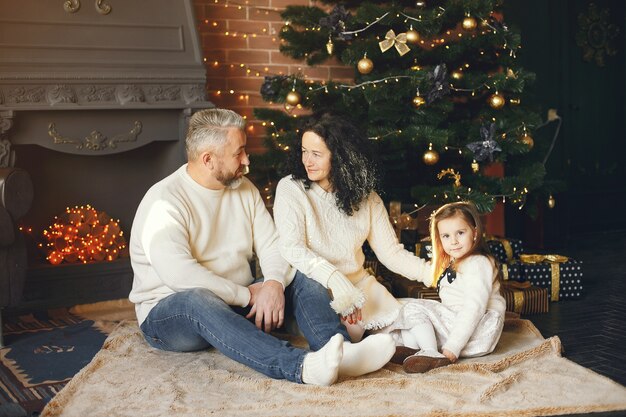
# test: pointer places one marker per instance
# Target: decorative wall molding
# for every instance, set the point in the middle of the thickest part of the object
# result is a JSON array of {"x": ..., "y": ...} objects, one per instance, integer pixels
[
  {"x": 71, "y": 6},
  {"x": 102, "y": 7},
  {"x": 60, "y": 94},
  {"x": 27, "y": 95},
  {"x": 95, "y": 141},
  {"x": 129, "y": 94},
  {"x": 164, "y": 93},
  {"x": 7, "y": 156},
  {"x": 101, "y": 96},
  {"x": 93, "y": 93}
]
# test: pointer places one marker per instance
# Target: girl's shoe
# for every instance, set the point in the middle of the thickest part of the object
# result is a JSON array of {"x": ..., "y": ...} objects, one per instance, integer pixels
[
  {"x": 402, "y": 352},
  {"x": 417, "y": 364}
]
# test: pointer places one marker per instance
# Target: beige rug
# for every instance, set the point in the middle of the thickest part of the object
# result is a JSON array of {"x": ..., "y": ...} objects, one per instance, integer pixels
[{"x": 525, "y": 376}]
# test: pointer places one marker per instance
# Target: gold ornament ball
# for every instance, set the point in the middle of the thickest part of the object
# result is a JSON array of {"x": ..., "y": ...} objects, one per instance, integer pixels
[
  {"x": 293, "y": 98},
  {"x": 412, "y": 36},
  {"x": 528, "y": 141},
  {"x": 551, "y": 201},
  {"x": 469, "y": 23},
  {"x": 430, "y": 157},
  {"x": 496, "y": 101},
  {"x": 418, "y": 101},
  {"x": 365, "y": 65}
]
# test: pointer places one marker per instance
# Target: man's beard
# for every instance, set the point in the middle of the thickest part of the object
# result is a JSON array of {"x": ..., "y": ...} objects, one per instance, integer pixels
[{"x": 231, "y": 180}]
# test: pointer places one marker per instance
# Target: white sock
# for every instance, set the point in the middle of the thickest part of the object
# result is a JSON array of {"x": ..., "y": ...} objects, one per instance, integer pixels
[
  {"x": 369, "y": 355},
  {"x": 322, "y": 367}
]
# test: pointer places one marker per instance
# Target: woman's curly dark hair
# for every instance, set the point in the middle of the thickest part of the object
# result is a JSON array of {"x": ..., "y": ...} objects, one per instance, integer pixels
[{"x": 353, "y": 171}]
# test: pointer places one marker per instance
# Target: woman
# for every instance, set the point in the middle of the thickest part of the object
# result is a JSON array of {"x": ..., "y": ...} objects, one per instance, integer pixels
[{"x": 326, "y": 209}]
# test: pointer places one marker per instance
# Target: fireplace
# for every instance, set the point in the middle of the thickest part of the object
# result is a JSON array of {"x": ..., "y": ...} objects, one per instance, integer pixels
[{"x": 94, "y": 100}]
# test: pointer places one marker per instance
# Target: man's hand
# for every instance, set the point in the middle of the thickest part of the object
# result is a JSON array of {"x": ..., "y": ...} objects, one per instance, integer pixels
[{"x": 268, "y": 305}]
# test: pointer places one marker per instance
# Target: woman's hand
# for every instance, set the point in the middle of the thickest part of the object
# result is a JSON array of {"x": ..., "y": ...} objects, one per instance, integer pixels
[
  {"x": 449, "y": 355},
  {"x": 353, "y": 318}
]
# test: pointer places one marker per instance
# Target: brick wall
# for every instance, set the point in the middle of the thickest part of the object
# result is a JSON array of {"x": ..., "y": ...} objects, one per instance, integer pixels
[{"x": 240, "y": 46}]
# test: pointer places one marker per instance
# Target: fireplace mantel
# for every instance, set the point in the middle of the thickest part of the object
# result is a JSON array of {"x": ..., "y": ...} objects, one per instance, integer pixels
[{"x": 95, "y": 77}]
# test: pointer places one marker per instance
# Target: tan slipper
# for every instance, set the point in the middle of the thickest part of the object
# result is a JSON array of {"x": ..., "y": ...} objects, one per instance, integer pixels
[
  {"x": 402, "y": 352},
  {"x": 420, "y": 364}
]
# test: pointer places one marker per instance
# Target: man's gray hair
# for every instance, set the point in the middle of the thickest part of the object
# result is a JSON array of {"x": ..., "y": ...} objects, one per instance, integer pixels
[{"x": 208, "y": 129}]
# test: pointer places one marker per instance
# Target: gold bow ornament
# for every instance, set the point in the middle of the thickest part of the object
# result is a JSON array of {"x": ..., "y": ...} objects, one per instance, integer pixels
[
  {"x": 555, "y": 270},
  {"x": 392, "y": 40}
]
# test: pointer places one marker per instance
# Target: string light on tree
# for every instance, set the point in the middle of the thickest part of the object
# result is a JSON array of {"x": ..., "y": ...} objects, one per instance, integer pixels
[
  {"x": 83, "y": 234},
  {"x": 365, "y": 65},
  {"x": 551, "y": 201},
  {"x": 431, "y": 157},
  {"x": 496, "y": 100},
  {"x": 456, "y": 74}
]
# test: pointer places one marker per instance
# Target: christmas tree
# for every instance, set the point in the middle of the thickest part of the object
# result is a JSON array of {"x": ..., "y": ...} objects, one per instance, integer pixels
[{"x": 436, "y": 87}]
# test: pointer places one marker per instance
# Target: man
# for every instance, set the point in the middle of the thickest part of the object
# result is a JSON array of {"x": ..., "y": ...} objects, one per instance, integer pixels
[{"x": 192, "y": 239}]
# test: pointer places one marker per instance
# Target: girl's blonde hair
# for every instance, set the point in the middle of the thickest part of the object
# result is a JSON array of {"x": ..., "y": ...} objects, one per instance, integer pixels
[{"x": 468, "y": 212}]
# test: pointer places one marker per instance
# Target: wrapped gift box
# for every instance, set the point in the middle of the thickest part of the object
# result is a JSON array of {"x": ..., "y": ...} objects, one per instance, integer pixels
[
  {"x": 424, "y": 249},
  {"x": 504, "y": 249},
  {"x": 524, "y": 298},
  {"x": 561, "y": 276},
  {"x": 405, "y": 288},
  {"x": 513, "y": 271}
]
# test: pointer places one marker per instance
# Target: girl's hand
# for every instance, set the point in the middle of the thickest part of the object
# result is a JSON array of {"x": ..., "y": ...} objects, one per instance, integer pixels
[
  {"x": 353, "y": 318},
  {"x": 449, "y": 355}
]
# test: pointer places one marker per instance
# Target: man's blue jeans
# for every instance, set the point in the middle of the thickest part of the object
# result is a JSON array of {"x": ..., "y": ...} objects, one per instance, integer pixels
[{"x": 197, "y": 319}]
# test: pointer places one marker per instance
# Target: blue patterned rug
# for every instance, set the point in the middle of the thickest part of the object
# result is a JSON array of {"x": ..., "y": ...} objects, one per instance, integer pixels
[{"x": 42, "y": 352}]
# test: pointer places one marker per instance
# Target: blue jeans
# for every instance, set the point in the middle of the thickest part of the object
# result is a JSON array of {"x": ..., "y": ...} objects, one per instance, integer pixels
[{"x": 197, "y": 319}]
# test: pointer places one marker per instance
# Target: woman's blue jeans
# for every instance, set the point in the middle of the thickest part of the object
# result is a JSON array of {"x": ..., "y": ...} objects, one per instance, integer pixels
[{"x": 197, "y": 319}]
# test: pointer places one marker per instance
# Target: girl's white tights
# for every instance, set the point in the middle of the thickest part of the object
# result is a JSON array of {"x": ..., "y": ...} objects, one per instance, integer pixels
[{"x": 422, "y": 336}]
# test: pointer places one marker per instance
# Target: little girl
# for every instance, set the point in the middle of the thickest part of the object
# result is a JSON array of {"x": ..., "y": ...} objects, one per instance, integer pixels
[{"x": 469, "y": 319}]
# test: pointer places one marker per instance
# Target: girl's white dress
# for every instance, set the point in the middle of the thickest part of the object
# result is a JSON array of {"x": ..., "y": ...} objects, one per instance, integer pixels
[{"x": 469, "y": 319}]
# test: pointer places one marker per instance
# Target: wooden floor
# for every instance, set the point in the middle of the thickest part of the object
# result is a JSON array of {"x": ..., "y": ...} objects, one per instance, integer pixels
[{"x": 593, "y": 329}]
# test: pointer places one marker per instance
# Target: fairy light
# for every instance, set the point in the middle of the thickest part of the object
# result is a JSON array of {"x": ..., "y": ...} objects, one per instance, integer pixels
[{"x": 81, "y": 235}]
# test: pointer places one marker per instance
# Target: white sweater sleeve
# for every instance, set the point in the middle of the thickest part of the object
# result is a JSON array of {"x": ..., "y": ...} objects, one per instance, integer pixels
[
  {"x": 389, "y": 251},
  {"x": 266, "y": 245},
  {"x": 476, "y": 274},
  {"x": 166, "y": 243},
  {"x": 290, "y": 217}
]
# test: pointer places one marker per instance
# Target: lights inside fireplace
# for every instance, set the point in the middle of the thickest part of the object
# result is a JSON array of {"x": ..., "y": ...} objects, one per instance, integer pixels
[{"x": 83, "y": 234}]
